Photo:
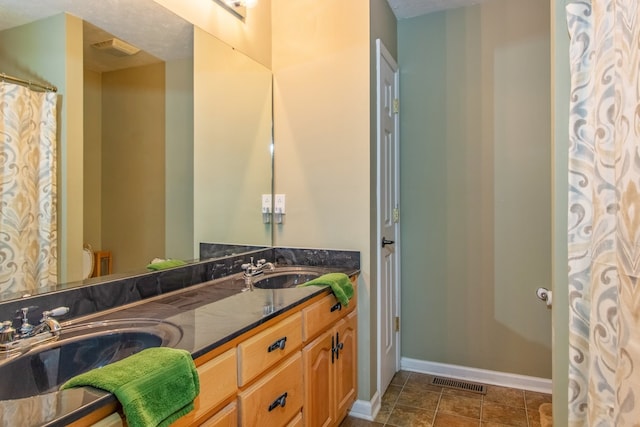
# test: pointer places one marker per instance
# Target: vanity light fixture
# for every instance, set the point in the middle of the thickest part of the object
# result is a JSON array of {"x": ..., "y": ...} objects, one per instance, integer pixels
[
  {"x": 237, "y": 7},
  {"x": 242, "y": 3}
]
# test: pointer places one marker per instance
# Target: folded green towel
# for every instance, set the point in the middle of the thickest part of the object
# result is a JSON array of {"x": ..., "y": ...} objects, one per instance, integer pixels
[
  {"x": 340, "y": 285},
  {"x": 167, "y": 263},
  {"x": 155, "y": 386}
]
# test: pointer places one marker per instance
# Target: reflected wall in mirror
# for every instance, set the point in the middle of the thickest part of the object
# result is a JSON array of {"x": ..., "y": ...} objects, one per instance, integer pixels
[{"x": 174, "y": 154}]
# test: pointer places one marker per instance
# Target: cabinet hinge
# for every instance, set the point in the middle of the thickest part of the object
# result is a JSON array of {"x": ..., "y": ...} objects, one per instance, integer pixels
[
  {"x": 396, "y": 106},
  {"x": 396, "y": 215},
  {"x": 397, "y": 324}
]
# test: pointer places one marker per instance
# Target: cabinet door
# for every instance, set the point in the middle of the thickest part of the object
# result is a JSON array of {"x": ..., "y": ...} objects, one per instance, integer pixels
[
  {"x": 318, "y": 406},
  {"x": 346, "y": 380}
]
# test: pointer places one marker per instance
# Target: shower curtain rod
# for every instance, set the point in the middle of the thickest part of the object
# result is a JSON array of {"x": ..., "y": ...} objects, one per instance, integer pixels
[{"x": 32, "y": 85}]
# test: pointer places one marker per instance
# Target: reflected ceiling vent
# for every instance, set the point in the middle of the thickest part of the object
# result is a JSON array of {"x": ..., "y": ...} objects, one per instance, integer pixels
[{"x": 116, "y": 47}]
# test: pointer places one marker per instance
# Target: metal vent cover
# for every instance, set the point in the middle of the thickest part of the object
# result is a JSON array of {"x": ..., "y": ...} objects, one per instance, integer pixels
[{"x": 460, "y": 385}]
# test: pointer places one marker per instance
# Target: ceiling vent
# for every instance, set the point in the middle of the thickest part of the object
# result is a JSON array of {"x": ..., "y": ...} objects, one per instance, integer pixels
[{"x": 116, "y": 47}]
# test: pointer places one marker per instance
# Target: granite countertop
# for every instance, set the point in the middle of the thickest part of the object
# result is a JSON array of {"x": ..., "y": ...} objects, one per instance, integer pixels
[{"x": 209, "y": 314}]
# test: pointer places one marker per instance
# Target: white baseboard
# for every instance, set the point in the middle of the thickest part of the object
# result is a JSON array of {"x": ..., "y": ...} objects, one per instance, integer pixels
[
  {"x": 367, "y": 410},
  {"x": 505, "y": 379}
]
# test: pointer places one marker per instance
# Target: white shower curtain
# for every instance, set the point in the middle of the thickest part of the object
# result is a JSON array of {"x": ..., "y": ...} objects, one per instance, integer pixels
[
  {"x": 28, "y": 230},
  {"x": 604, "y": 214}
]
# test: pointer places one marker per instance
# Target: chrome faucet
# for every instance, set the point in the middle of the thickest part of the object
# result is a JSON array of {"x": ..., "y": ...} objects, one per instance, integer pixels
[
  {"x": 252, "y": 270},
  {"x": 48, "y": 329}
]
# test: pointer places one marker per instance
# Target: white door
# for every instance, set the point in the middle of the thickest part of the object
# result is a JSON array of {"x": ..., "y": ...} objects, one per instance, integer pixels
[{"x": 388, "y": 218}]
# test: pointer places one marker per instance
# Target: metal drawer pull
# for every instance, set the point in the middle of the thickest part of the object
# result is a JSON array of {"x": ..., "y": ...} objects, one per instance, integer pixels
[
  {"x": 338, "y": 306},
  {"x": 281, "y": 401},
  {"x": 277, "y": 345},
  {"x": 339, "y": 346}
]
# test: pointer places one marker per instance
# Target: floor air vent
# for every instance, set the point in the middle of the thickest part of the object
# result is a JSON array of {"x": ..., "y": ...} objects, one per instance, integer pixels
[{"x": 460, "y": 385}]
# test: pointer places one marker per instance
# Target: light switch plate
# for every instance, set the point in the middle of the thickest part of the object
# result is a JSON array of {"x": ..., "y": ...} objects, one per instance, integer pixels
[
  {"x": 279, "y": 205},
  {"x": 266, "y": 203}
]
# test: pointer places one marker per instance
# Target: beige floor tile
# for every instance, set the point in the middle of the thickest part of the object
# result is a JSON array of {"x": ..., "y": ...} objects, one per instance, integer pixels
[
  {"x": 405, "y": 416},
  {"x": 505, "y": 396},
  {"x": 421, "y": 382},
  {"x": 459, "y": 405},
  {"x": 400, "y": 378},
  {"x": 391, "y": 394},
  {"x": 463, "y": 393},
  {"x": 503, "y": 414},
  {"x": 448, "y": 420},
  {"x": 356, "y": 422},
  {"x": 418, "y": 399}
]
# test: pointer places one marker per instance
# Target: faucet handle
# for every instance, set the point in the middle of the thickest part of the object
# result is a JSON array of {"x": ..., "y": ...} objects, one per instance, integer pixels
[
  {"x": 7, "y": 332},
  {"x": 26, "y": 326},
  {"x": 59, "y": 311},
  {"x": 261, "y": 261}
]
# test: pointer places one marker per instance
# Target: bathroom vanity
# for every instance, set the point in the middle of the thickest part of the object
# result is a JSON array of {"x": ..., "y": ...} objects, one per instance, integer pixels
[
  {"x": 298, "y": 368},
  {"x": 275, "y": 355}
]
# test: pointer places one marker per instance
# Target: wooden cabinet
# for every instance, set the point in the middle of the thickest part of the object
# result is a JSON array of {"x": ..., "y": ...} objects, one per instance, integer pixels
[
  {"x": 218, "y": 386},
  {"x": 260, "y": 352},
  {"x": 318, "y": 384},
  {"x": 227, "y": 417},
  {"x": 274, "y": 399},
  {"x": 296, "y": 370},
  {"x": 346, "y": 376},
  {"x": 330, "y": 374}
]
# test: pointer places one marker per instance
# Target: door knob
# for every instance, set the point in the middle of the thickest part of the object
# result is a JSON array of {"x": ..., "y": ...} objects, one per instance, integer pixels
[{"x": 386, "y": 242}]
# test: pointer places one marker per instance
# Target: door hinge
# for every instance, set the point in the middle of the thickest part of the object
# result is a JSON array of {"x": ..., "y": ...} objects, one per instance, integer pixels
[
  {"x": 396, "y": 106},
  {"x": 396, "y": 215},
  {"x": 397, "y": 324}
]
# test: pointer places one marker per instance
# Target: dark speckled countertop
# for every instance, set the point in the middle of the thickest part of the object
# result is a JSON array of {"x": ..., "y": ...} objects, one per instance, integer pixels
[{"x": 209, "y": 314}]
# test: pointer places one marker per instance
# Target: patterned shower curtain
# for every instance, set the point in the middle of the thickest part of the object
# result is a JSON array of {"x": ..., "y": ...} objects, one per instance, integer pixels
[
  {"x": 604, "y": 213},
  {"x": 28, "y": 230}
]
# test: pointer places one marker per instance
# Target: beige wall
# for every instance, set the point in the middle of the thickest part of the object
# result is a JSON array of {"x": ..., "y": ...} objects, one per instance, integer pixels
[
  {"x": 232, "y": 157},
  {"x": 50, "y": 50},
  {"x": 321, "y": 111},
  {"x": 92, "y": 168},
  {"x": 251, "y": 36},
  {"x": 133, "y": 163},
  {"x": 179, "y": 159},
  {"x": 475, "y": 184}
]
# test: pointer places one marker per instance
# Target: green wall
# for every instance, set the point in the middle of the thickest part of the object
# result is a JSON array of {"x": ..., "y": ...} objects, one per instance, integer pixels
[{"x": 475, "y": 186}]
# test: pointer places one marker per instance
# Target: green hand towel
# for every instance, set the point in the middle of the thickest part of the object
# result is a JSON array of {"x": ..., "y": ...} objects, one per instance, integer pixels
[
  {"x": 167, "y": 263},
  {"x": 155, "y": 386},
  {"x": 340, "y": 285}
]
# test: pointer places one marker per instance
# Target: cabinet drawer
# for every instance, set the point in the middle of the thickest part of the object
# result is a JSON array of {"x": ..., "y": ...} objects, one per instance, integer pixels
[
  {"x": 322, "y": 314},
  {"x": 218, "y": 383},
  {"x": 227, "y": 417},
  {"x": 297, "y": 421},
  {"x": 274, "y": 399},
  {"x": 272, "y": 345}
]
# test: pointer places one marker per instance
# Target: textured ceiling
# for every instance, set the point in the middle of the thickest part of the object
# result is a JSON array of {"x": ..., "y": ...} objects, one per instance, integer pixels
[
  {"x": 142, "y": 23},
  {"x": 152, "y": 28},
  {"x": 411, "y": 8}
]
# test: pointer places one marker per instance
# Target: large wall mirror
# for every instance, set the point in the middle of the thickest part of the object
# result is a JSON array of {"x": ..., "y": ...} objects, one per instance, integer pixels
[{"x": 177, "y": 138}]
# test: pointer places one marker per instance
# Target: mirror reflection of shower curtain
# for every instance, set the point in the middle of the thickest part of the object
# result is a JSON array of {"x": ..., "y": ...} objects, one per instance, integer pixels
[{"x": 28, "y": 229}]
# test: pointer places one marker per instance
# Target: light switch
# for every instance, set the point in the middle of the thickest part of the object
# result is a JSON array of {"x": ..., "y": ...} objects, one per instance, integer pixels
[
  {"x": 278, "y": 206},
  {"x": 266, "y": 203},
  {"x": 266, "y": 208}
]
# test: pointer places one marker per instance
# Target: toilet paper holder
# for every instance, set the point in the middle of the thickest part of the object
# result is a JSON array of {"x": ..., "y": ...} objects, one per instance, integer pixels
[{"x": 545, "y": 295}]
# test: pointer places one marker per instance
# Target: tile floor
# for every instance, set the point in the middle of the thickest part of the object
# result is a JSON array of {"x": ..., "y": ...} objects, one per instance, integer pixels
[{"x": 410, "y": 401}]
